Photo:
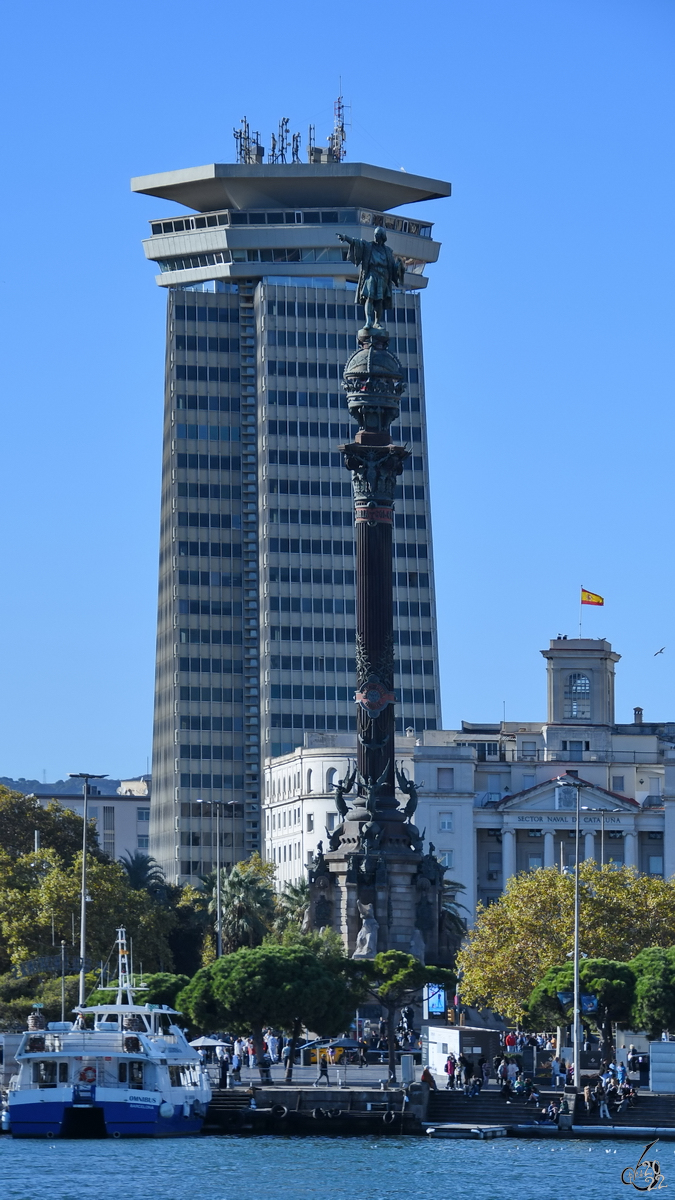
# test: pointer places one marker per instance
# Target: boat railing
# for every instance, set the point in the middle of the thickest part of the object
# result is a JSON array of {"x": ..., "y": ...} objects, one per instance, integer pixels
[{"x": 87, "y": 1042}]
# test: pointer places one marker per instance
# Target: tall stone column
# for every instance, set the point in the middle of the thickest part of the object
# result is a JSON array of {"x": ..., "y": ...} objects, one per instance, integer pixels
[
  {"x": 589, "y": 845},
  {"x": 374, "y": 871},
  {"x": 549, "y": 849},
  {"x": 508, "y": 854},
  {"x": 630, "y": 848}
]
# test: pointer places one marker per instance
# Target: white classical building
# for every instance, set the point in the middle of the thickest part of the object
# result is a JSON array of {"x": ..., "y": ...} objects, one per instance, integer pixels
[{"x": 490, "y": 799}]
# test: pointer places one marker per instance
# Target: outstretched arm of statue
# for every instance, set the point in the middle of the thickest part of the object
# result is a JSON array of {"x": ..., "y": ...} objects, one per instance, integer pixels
[{"x": 343, "y": 238}]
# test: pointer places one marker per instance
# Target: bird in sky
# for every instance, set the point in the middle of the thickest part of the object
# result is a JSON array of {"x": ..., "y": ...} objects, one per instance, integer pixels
[{"x": 659, "y": 651}]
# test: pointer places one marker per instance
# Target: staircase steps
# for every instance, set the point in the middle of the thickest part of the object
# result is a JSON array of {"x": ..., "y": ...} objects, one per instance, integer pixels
[
  {"x": 652, "y": 1110},
  {"x": 450, "y": 1107}
]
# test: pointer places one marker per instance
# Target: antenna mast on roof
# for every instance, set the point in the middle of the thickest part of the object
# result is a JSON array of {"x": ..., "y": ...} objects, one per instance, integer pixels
[
  {"x": 249, "y": 149},
  {"x": 337, "y": 139},
  {"x": 280, "y": 144}
]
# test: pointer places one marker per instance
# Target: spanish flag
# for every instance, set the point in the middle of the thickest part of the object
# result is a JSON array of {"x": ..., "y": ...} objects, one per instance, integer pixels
[{"x": 590, "y": 597}]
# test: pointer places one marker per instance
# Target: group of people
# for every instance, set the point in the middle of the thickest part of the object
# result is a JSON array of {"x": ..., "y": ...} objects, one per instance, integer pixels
[
  {"x": 612, "y": 1090},
  {"x": 462, "y": 1074}
]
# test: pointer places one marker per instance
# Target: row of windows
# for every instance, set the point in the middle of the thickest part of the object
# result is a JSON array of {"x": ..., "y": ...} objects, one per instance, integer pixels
[
  {"x": 307, "y": 662},
  {"x": 308, "y": 487},
  {"x": 303, "y": 516},
  {"x": 217, "y": 724},
  {"x": 312, "y": 546},
  {"x": 213, "y": 752},
  {"x": 322, "y": 429},
  {"x": 210, "y": 491},
  {"x": 311, "y": 721},
  {"x": 209, "y": 403},
  {"x": 300, "y": 691},
  {"x": 307, "y": 458},
  {"x": 308, "y": 691},
  {"x": 306, "y": 516},
  {"x": 306, "y": 399},
  {"x": 210, "y": 433},
  {"x": 316, "y": 604},
  {"x": 302, "y": 370},
  {"x": 306, "y": 633},
  {"x": 217, "y": 637},
  {"x": 330, "y": 341},
  {"x": 207, "y": 345},
  {"x": 328, "y": 400},
  {"x": 206, "y": 549},
  {"x": 327, "y": 575},
  {"x": 202, "y": 312},
  {"x": 277, "y": 254},
  {"x": 332, "y": 312},
  {"x": 209, "y": 579},
  {"x": 189, "y": 261},
  {"x": 214, "y": 665},
  {"x": 195, "y": 520},
  {"x": 335, "y": 216},
  {"x": 216, "y": 695},
  {"x": 196, "y": 810},
  {"x": 210, "y": 462},
  {"x": 195, "y": 374},
  {"x": 211, "y": 608},
  {"x": 208, "y": 782},
  {"x": 322, "y": 633},
  {"x": 279, "y": 368},
  {"x": 311, "y": 340}
]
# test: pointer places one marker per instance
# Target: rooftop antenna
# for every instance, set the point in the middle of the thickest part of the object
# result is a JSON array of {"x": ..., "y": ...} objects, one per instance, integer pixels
[
  {"x": 249, "y": 149},
  {"x": 337, "y": 139},
  {"x": 311, "y": 143},
  {"x": 280, "y": 142},
  {"x": 295, "y": 151}
]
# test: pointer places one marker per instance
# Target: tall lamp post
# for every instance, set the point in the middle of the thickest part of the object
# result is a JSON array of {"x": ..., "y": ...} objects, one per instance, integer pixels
[
  {"x": 567, "y": 782},
  {"x": 603, "y": 813},
  {"x": 85, "y": 776}
]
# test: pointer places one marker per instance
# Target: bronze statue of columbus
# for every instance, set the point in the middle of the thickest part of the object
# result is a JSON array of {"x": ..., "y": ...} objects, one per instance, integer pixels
[{"x": 380, "y": 272}]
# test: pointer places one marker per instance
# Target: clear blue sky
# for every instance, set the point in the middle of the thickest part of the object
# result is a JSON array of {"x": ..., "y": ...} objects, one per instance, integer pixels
[{"x": 549, "y": 328}]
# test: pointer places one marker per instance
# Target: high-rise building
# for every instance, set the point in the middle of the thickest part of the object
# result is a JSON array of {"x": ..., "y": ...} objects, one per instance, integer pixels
[{"x": 256, "y": 625}]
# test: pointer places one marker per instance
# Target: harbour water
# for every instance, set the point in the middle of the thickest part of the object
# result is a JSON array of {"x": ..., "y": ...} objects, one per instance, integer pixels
[{"x": 275, "y": 1168}]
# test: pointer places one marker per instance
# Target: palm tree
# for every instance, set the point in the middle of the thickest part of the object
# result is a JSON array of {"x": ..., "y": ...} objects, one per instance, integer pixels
[
  {"x": 247, "y": 908},
  {"x": 453, "y": 923},
  {"x": 293, "y": 904},
  {"x": 143, "y": 871}
]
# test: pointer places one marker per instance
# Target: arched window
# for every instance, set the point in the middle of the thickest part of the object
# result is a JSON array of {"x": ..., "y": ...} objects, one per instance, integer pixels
[
  {"x": 309, "y": 781},
  {"x": 330, "y": 778},
  {"x": 578, "y": 697}
]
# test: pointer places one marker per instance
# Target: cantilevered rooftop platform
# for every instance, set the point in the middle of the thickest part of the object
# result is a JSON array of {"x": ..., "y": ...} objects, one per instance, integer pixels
[{"x": 245, "y": 186}]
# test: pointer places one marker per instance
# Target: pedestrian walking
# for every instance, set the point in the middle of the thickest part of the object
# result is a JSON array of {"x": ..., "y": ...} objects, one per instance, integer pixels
[
  {"x": 450, "y": 1070},
  {"x": 555, "y": 1071},
  {"x": 602, "y": 1100},
  {"x": 323, "y": 1071}
]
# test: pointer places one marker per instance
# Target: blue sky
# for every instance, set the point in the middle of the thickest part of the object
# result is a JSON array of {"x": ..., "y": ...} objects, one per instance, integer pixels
[{"x": 548, "y": 328}]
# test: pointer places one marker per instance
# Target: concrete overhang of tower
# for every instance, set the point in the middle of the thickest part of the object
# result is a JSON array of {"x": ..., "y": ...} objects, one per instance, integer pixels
[
  {"x": 580, "y": 647},
  {"x": 289, "y": 185}
]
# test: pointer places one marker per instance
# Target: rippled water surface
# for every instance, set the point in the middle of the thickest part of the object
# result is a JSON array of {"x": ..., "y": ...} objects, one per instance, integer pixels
[{"x": 266, "y": 1168}]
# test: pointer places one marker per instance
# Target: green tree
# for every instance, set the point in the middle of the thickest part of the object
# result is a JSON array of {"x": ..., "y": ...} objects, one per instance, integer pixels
[
  {"x": 37, "y": 892},
  {"x": 611, "y": 982},
  {"x": 292, "y": 904},
  {"x": 530, "y": 928},
  {"x": 654, "y": 1008},
  {"x": 60, "y": 828},
  {"x": 143, "y": 872},
  {"x": 247, "y": 905},
  {"x": 394, "y": 980},
  {"x": 282, "y": 986}
]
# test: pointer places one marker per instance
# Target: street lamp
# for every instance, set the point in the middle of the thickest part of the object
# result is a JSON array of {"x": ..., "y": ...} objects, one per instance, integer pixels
[
  {"x": 219, "y": 935},
  {"x": 86, "y": 776},
  {"x": 603, "y": 812},
  {"x": 567, "y": 781}
]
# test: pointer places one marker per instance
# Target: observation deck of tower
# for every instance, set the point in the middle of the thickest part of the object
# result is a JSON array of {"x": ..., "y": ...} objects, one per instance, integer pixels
[{"x": 256, "y": 612}]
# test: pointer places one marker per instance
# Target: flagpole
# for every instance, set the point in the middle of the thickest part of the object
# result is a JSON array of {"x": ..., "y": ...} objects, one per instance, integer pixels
[{"x": 581, "y": 607}]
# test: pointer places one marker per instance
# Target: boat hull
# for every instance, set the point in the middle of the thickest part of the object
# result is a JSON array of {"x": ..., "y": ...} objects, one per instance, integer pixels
[{"x": 54, "y": 1118}]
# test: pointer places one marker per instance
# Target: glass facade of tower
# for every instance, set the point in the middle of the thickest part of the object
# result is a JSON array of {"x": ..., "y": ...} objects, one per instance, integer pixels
[{"x": 256, "y": 618}]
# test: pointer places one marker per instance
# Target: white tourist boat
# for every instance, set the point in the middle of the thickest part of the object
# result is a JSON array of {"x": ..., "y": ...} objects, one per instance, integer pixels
[{"x": 119, "y": 1070}]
